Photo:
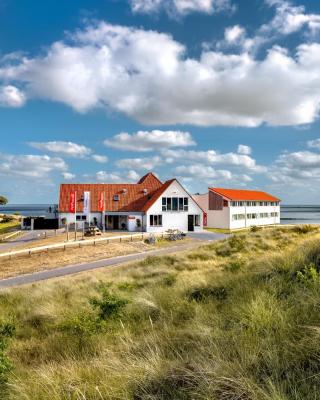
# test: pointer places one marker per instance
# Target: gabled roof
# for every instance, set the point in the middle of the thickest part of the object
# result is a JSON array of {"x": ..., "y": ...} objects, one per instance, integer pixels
[
  {"x": 241, "y": 194},
  {"x": 156, "y": 195},
  {"x": 132, "y": 196}
]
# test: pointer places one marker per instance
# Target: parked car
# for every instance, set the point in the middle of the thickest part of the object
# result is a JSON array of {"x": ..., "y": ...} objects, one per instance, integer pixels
[{"x": 92, "y": 231}]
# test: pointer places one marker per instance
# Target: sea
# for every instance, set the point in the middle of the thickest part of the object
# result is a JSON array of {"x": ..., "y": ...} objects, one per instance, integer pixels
[
  {"x": 290, "y": 214},
  {"x": 34, "y": 210}
]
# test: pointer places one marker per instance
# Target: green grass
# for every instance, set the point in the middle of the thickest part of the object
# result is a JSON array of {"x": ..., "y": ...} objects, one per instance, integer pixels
[
  {"x": 238, "y": 319},
  {"x": 6, "y": 227}
]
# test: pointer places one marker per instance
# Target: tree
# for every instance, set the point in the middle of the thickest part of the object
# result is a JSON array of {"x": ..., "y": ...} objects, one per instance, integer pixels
[{"x": 3, "y": 200}]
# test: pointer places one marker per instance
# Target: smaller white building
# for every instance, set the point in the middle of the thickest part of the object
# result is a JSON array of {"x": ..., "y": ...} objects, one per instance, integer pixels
[{"x": 237, "y": 208}]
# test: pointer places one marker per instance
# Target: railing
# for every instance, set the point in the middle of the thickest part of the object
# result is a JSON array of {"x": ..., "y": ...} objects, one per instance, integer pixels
[{"x": 81, "y": 243}]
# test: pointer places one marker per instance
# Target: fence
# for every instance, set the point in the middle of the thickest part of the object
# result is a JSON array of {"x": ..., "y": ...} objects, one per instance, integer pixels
[{"x": 82, "y": 243}]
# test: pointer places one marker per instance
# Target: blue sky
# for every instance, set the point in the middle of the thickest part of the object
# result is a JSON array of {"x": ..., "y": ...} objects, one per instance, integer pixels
[{"x": 214, "y": 92}]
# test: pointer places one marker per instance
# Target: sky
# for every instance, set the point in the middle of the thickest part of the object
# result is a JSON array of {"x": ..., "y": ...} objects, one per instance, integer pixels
[{"x": 219, "y": 93}]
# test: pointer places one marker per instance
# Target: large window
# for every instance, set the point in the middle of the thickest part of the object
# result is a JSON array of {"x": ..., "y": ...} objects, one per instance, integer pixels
[
  {"x": 175, "y": 203},
  {"x": 155, "y": 220}
]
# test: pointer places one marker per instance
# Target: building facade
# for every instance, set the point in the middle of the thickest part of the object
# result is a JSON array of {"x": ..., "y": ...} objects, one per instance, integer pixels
[
  {"x": 146, "y": 206},
  {"x": 237, "y": 209}
]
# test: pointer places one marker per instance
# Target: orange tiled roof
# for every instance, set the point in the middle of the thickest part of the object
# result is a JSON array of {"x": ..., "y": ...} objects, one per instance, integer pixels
[
  {"x": 134, "y": 199},
  {"x": 240, "y": 194}
]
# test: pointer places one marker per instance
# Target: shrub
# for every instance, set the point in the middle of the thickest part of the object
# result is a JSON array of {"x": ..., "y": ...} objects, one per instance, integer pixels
[
  {"x": 109, "y": 305},
  {"x": 169, "y": 280},
  {"x": 200, "y": 256},
  {"x": 303, "y": 229},
  {"x": 235, "y": 265},
  {"x": 7, "y": 218},
  {"x": 255, "y": 228},
  {"x": 204, "y": 293},
  {"x": 7, "y": 331},
  {"x": 308, "y": 275}
]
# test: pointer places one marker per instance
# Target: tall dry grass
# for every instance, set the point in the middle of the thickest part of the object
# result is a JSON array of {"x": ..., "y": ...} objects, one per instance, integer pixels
[{"x": 235, "y": 320}]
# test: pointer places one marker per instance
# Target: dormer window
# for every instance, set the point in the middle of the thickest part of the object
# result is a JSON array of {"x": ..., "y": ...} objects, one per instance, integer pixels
[
  {"x": 124, "y": 191},
  {"x": 116, "y": 197},
  {"x": 145, "y": 191}
]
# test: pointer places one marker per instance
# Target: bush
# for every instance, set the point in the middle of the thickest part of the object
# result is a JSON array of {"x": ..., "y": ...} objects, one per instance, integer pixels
[
  {"x": 308, "y": 275},
  {"x": 303, "y": 229},
  {"x": 204, "y": 293},
  {"x": 7, "y": 218},
  {"x": 255, "y": 228},
  {"x": 109, "y": 305}
]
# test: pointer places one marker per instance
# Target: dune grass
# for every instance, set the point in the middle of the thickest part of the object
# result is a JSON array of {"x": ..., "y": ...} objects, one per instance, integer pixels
[{"x": 234, "y": 320}]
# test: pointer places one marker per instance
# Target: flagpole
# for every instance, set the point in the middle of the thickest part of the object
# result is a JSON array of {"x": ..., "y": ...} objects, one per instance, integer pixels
[
  {"x": 75, "y": 215},
  {"x": 104, "y": 212}
]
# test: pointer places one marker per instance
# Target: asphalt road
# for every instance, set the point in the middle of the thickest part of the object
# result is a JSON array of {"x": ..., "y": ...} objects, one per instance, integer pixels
[
  {"x": 200, "y": 238},
  {"x": 25, "y": 238}
]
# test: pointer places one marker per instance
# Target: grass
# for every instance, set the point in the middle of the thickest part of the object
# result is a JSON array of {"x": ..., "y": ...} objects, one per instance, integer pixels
[
  {"x": 6, "y": 227},
  {"x": 238, "y": 319}
]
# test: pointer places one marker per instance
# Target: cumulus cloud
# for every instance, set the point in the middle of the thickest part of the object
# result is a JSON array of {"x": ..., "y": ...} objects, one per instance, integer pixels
[
  {"x": 117, "y": 177},
  {"x": 290, "y": 19},
  {"x": 99, "y": 158},
  {"x": 243, "y": 149},
  {"x": 212, "y": 157},
  {"x": 140, "y": 163},
  {"x": 30, "y": 166},
  {"x": 300, "y": 167},
  {"x": 114, "y": 67},
  {"x": 181, "y": 7},
  {"x": 11, "y": 96},
  {"x": 200, "y": 171},
  {"x": 150, "y": 140},
  {"x": 68, "y": 175},
  {"x": 232, "y": 34},
  {"x": 314, "y": 143},
  {"x": 66, "y": 148}
]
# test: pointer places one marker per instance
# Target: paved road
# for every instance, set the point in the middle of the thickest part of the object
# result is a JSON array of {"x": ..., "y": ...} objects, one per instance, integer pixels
[
  {"x": 108, "y": 262},
  {"x": 25, "y": 238}
]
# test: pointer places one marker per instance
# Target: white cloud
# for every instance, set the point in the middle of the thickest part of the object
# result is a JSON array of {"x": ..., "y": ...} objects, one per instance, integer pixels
[
  {"x": 314, "y": 144},
  {"x": 150, "y": 140},
  {"x": 234, "y": 33},
  {"x": 11, "y": 96},
  {"x": 115, "y": 67},
  {"x": 66, "y": 148},
  {"x": 289, "y": 19},
  {"x": 117, "y": 177},
  {"x": 243, "y": 149},
  {"x": 204, "y": 172},
  {"x": 211, "y": 157},
  {"x": 99, "y": 158},
  {"x": 140, "y": 163},
  {"x": 181, "y": 7},
  {"x": 68, "y": 175},
  {"x": 30, "y": 166},
  {"x": 300, "y": 167}
]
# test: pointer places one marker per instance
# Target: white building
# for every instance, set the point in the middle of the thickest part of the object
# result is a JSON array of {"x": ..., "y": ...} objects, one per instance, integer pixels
[
  {"x": 236, "y": 209},
  {"x": 149, "y": 206}
]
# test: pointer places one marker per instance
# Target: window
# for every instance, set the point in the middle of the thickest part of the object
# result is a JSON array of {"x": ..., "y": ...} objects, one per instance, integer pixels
[
  {"x": 180, "y": 203},
  {"x": 241, "y": 203},
  {"x": 168, "y": 203},
  {"x": 225, "y": 203},
  {"x": 233, "y": 203},
  {"x": 238, "y": 217},
  {"x": 81, "y": 217},
  {"x": 274, "y": 214},
  {"x": 185, "y": 204},
  {"x": 174, "y": 203},
  {"x": 164, "y": 204},
  {"x": 155, "y": 220},
  {"x": 116, "y": 197},
  {"x": 197, "y": 220}
]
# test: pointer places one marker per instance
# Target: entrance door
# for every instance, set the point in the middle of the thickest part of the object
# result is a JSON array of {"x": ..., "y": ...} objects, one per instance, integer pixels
[
  {"x": 190, "y": 223},
  {"x": 115, "y": 221}
]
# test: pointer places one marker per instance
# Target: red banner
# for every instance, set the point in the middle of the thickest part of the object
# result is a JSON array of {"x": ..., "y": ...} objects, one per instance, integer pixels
[
  {"x": 205, "y": 219},
  {"x": 72, "y": 202},
  {"x": 101, "y": 202}
]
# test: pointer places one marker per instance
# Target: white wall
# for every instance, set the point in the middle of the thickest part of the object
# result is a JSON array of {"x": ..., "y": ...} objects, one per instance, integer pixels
[
  {"x": 174, "y": 219},
  {"x": 254, "y": 222}
]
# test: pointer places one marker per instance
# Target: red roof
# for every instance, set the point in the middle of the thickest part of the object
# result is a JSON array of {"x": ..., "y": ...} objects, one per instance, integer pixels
[
  {"x": 240, "y": 194},
  {"x": 132, "y": 196}
]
